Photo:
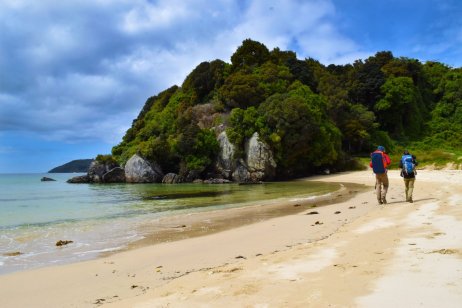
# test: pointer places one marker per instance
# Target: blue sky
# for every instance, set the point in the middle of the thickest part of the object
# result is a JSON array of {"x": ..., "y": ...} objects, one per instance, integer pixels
[{"x": 75, "y": 73}]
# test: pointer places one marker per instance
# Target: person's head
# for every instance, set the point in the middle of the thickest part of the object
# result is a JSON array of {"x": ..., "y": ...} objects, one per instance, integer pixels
[
  {"x": 381, "y": 148},
  {"x": 406, "y": 152}
]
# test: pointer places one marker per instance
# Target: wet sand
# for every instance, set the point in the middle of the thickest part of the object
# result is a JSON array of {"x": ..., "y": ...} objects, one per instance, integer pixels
[{"x": 352, "y": 253}]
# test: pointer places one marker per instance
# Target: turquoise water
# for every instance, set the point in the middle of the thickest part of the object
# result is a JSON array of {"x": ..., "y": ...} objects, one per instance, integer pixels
[{"x": 34, "y": 215}]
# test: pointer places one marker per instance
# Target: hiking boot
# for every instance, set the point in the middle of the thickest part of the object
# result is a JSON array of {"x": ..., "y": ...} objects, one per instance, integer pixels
[
  {"x": 384, "y": 201},
  {"x": 410, "y": 200},
  {"x": 379, "y": 202}
]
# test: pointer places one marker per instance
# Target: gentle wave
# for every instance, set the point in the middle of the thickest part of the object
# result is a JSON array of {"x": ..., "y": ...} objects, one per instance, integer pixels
[{"x": 105, "y": 218}]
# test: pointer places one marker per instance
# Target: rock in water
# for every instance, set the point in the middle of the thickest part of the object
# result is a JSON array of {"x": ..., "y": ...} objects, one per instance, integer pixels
[
  {"x": 62, "y": 243},
  {"x": 115, "y": 175},
  {"x": 139, "y": 170},
  {"x": 171, "y": 178},
  {"x": 79, "y": 179},
  {"x": 46, "y": 179},
  {"x": 98, "y": 169}
]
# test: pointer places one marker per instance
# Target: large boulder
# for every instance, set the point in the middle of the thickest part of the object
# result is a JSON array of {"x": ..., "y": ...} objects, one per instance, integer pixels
[
  {"x": 225, "y": 162},
  {"x": 172, "y": 178},
  {"x": 115, "y": 175},
  {"x": 139, "y": 170},
  {"x": 241, "y": 174},
  {"x": 259, "y": 159},
  {"x": 101, "y": 172},
  {"x": 47, "y": 179},
  {"x": 79, "y": 179},
  {"x": 98, "y": 169}
]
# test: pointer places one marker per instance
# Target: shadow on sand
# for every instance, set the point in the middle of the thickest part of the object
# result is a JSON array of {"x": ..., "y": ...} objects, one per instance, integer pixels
[{"x": 415, "y": 200}]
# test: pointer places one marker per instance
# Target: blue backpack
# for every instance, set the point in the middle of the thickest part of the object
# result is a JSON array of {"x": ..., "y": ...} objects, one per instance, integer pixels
[
  {"x": 377, "y": 163},
  {"x": 408, "y": 164}
]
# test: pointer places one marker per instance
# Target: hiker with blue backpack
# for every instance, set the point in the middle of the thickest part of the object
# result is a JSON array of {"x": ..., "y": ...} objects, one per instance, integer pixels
[
  {"x": 407, "y": 164},
  {"x": 379, "y": 163}
]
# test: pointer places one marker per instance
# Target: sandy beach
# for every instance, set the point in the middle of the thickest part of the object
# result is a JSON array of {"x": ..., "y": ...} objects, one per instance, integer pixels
[{"x": 353, "y": 253}]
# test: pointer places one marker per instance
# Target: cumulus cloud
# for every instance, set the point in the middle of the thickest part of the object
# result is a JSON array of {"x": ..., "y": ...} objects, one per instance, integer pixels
[{"x": 81, "y": 70}]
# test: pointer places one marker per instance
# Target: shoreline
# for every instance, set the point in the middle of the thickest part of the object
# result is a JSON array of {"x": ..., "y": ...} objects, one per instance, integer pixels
[
  {"x": 185, "y": 226},
  {"x": 112, "y": 236},
  {"x": 351, "y": 253}
]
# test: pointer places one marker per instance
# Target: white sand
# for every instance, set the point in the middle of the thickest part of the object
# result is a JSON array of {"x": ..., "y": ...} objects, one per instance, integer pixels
[{"x": 394, "y": 255}]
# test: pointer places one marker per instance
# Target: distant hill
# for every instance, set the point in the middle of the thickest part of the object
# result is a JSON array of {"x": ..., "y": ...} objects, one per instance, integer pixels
[{"x": 78, "y": 165}]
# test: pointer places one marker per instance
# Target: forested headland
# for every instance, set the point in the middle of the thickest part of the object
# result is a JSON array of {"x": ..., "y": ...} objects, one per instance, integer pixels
[
  {"x": 78, "y": 165},
  {"x": 311, "y": 116}
]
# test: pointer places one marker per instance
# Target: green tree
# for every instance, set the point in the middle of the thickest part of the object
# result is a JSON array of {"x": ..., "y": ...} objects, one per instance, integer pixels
[
  {"x": 369, "y": 79},
  {"x": 204, "y": 80},
  {"x": 242, "y": 90},
  {"x": 299, "y": 131},
  {"x": 249, "y": 54},
  {"x": 446, "y": 123},
  {"x": 398, "y": 110}
]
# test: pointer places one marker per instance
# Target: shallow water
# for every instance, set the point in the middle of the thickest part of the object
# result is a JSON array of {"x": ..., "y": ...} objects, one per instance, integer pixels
[{"x": 34, "y": 215}]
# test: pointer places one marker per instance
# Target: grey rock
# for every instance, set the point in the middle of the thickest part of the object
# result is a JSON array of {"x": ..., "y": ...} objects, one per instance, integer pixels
[
  {"x": 241, "y": 174},
  {"x": 139, "y": 170},
  {"x": 79, "y": 179},
  {"x": 171, "y": 178},
  {"x": 115, "y": 175},
  {"x": 225, "y": 161},
  {"x": 217, "y": 181},
  {"x": 259, "y": 159},
  {"x": 192, "y": 175},
  {"x": 47, "y": 179},
  {"x": 97, "y": 170}
]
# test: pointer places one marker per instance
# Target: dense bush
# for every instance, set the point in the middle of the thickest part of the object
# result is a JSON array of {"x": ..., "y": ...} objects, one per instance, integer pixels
[{"x": 312, "y": 116}]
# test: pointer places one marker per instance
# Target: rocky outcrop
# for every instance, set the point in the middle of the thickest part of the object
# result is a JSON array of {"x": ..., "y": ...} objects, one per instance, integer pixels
[
  {"x": 98, "y": 169},
  {"x": 47, "y": 179},
  {"x": 216, "y": 181},
  {"x": 259, "y": 159},
  {"x": 99, "y": 172},
  {"x": 115, "y": 175},
  {"x": 63, "y": 242},
  {"x": 139, "y": 170},
  {"x": 225, "y": 161},
  {"x": 241, "y": 174},
  {"x": 81, "y": 179},
  {"x": 172, "y": 178},
  {"x": 255, "y": 166}
]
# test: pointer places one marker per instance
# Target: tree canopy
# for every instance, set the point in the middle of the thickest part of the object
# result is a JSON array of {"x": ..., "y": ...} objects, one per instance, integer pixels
[{"x": 311, "y": 115}]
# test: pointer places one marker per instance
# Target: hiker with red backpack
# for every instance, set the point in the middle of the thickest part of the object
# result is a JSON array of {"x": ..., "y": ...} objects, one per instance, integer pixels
[
  {"x": 379, "y": 163},
  {"x": 407, "y": 164}
]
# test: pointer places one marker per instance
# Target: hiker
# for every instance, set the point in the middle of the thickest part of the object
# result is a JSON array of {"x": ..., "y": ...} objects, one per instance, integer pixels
[
  {"x": 407, "y": 164},
  {"x": 379, "y": 163}
]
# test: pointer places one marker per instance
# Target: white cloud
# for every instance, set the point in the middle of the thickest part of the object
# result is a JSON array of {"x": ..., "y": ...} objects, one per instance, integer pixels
[
  {"x": 160, "y": 16},
  {"x": 83, "y": 69}
]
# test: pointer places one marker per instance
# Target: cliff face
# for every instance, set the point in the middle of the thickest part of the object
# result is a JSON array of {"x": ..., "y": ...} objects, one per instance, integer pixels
[{"x": 75, "y": 166}]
